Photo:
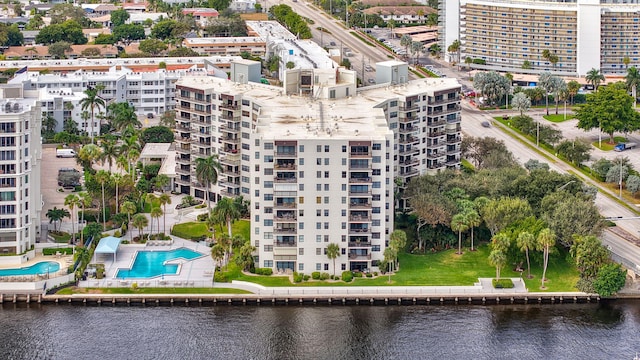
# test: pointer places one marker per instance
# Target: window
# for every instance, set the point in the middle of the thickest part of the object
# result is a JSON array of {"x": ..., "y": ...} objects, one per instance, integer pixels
[
  {"x": 301, "y": 226},
  {"x": 268, "y": 222},
  {"x": 318, "y": 174},
  {"x": 318, "y": 148},
  {"x": 301, "y": 161},
  {"x": 326, "y": 148},
  {"x": 326, "y": 161},
  {"x": 318, "y": 251},
  {"x": 326, "y": 187},
  {"x": 268, "y": 248},
  {"x": 301, "y": 148},
  {"x": 326, "y": 267},
  {"x": 318, "y": 238},
  {"x": 267, "y": 146},
  {"x": 326, "y": 212},
  {"x": 377, "y": 146},
  {"x": 318, "y": 199},
  {"x": 326, "y": 174},
  {"x": 301, "y": 251},
  {"x": 326, "y": 226},
  {"x": 318, "y": 225},
  {"x": 318, "y": 266},
  {"x": 300, "y": 266}
]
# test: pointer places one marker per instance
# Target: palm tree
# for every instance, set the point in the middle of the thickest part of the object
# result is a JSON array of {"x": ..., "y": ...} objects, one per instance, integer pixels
[
  {"x": 455, "y": 47},
  {"x": 406, "y": 41},
  {"x": 156, "y": 213},
  {"x": 244, "y": 258},
  {"x": 416, "y": 48},
  {"x": 218, "y": 253},
  {"x": 131, "y": 148},
  {"x": 459, "y": 224},
  {"x": 55, "y": 215},
  {"x": 102, "y": 177},
  {"x": 227, "y": 211},
  {"x": 164, "y": 199},
  {"x": 207, "y": 173},
  {"x": 117, "y": 180},
  {"x": 90, "y": 153},
  {"x": 473, "y": 221},
  {"x": 546, "y": 240},
  {"x": 526, "y": 241},
  {"x": 92, "y": 102},
  {"x": 633, "y": 80},
  {"x": 595, "y": 78},
  {"x": 161, "y": 182},
  {"x": 226, "y": 243},
  {"x": 129, "y": 208},
  {"x": 85, "y": 200},
  {"x": 398, "y": 240},
  {"x": 333, "y": 251},
  {"x": 139, "y": 221},
  {"x": 122, "y": 116},
  {"x": 72, "y": 201},
  {"x": 546, "y": 82},
  {"x": 497, "y": 258},
  {"x": 573, "y": 87},
  {"x": 626, "y": 61},
  {"x": 109, "y": 152}
]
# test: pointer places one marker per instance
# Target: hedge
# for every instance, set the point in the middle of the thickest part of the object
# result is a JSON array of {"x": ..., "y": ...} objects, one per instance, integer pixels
[
  {"x": 54, "y": 251},
  {"x": 502, "y": 283}
]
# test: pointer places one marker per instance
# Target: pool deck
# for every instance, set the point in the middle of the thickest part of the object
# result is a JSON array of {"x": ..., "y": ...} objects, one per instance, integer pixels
[
  {"x": 64, "y": 260},
  {"x": 192, "y": 273}
]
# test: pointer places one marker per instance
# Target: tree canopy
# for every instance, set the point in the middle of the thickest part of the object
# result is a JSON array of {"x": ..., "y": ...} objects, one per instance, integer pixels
[
  {"x": 611, "y": 109},
  {"x": 69, "y": 31}
]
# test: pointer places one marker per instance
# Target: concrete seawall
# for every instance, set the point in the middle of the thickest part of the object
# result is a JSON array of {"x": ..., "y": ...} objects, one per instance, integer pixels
[{"x": 319, "y": 299}]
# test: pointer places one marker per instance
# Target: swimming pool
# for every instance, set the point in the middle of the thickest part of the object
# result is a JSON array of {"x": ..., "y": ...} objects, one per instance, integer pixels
[
  {"x": 41, "y": 268},
  {"x": 148, "y": 264}
]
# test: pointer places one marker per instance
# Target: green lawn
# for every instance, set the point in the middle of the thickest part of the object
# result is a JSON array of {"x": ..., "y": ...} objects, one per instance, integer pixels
[
  {"x": 75, "y": 290},
  {"x": 61, "y": 237},
  {"x": 195, "y": 229},
  {"x": 558, "y": 118},
  {"x": 606, "y": 146},
  {"x": 441, "y": 269}
]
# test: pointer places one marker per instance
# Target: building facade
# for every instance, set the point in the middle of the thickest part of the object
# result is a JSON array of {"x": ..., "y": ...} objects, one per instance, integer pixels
[
  {"x": 20, "y": 158},
  {"x": 513, "y": 35},
  {"x": 316, "y": 166}
]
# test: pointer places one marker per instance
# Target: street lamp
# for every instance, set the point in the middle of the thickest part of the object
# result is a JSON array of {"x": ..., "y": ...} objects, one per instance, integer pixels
[
  {"x": 565, "y": 185},
  {"x": 620, "y": 177}
]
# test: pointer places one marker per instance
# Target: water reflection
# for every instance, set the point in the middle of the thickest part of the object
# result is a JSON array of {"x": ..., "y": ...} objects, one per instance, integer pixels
[{"x": 568, "y": 331}]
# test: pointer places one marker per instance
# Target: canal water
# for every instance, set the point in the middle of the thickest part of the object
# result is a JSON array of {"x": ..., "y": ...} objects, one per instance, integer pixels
[{"x": 567, "y": 331}]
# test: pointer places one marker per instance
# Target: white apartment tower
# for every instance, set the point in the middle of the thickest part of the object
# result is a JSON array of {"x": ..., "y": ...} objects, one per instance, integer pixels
[
  {"x": 20, "y": 157},
  {"x": 317, "y": 159}
]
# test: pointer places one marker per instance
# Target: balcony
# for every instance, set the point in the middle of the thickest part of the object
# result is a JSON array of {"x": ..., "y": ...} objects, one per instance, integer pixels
[
  {"x": 361, "y": 218},
  {"x": 354, "y": 256},
  {"x": 360, "y": 180},
  {"x": 204, "y": 121},
  {"x": 409, "y": 140},
  {"x": 444, "y": 100},
  {"x": 437, "y": 123},
  {"x": 359, "y": 230},
  {"x": 285, "y": 218},
  {"x": 285, "y": 179},
  {"x": 410, "y": 107},
  {"x": 182, "y": 139},
  {"x": 287, "y": 205},
  {"x": 285, "y": 244},
  {"x": 229, "y": 117},
  {"x": 285, "y": 166},
  {"x": 228, "y": 193},
  {"x": 454, "y": 140},
  {"x": 200, "y": 152},
  {"x": 230, "y": 160},
  {"x": 409, "y": 172},
  {"x": 180, "y": 181},
  {"x": 453, "y": 131},
  {"x": 183, "y": 171},
  {"x": 359, "y": 193},
  {"x": 285, "y": 230},
  {"x": 224, "y": 105},
  {"x": 408, "y": 119},
  {"x": 229, "y": 128},
  {"x": 359, "y": 205},
  {"x": 359, "y": 243},
  {"x": 360, "y": 154},
  {"x": 408, "y": 162},
  {"x": 229, "y": 140},
  {"x": 436, "y": 155},
  {"x": 287, "y": 154},
  {"x": 409, "y": 129},
  {"x": 411, "y": 151},
  {"x": 229, "y": 184},
  {"x": 453, "y": 162},
  {"x": 183, "y": 149},
  {"x": 366, "y": 166},
  {"x": 183, "y": 127}
]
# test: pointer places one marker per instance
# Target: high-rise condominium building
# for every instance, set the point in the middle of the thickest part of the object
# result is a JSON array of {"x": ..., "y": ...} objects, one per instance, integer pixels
[
  {"x": 513, "y": 35},
  {"x": 318, "y": 159},
  {"x": 20, "y": 157}
]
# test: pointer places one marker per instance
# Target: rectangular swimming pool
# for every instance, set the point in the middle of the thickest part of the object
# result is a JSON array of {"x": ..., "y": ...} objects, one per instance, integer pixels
[
  {"x": 41, "y": 268},
  {"x": 148, "y": 264}
]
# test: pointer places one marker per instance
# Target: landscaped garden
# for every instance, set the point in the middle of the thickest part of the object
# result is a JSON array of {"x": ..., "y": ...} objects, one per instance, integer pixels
[{"x": 145, "y": 290}]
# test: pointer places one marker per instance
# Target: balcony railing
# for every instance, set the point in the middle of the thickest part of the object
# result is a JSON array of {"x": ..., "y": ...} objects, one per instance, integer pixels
[
  {"x": 359, "y": 230},
  {"x": 359, "y": 166},
  {"x": 285, "y": 230},
  {"x": 444, "y": 101},
  {"x": 230, "y": 140},
  {"x": 286, "y": 153},
  {"x": 409, "y": 151},
  {"x": 360, "y": 193},
  {"x": 454, "y": 140},
  {"x": 408, "y": 162},
  {"x": 285, "y": 180},
  {"x": 285, "y": 206},
  {"x": 359, "y": 218},
  {"x": 360, "y": 180},
  {"x": 408, "y": 129},
  {"x": 409, "y": 140},
  {"x": 291, "y": 218},
  {"x": 360, "y": 154},
  {"x": 183, "y": 171},
  {"x": 229, "y": 193},
  {"x": 230, "y": 160},
  {"x": 436, "y": 155},
  {"x": 228, "y": 106},
  {"x": 409, "y": 173},
  {"x": 285, "y": 244},
  {"x": 359, "y": 243},
  {"x": 353, "y": 256},
  {"x": 287, "y": 166},
  {"x": 412, "y": 107},
  {"x": 437, "y": 123},
  {"x": 359, "y": 205}
]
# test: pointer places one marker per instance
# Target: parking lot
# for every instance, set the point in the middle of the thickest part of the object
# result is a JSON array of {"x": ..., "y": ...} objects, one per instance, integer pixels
[{"x": 49, "y": 180}]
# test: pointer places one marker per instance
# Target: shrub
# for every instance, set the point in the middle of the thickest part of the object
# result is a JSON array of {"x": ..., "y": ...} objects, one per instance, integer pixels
[
  {"x": 117, "y": 233},
  {"x": 202, "y": 217},
  {"x": 502, "y": 283},
  {"x": 315, "y": 275},
  {"x": 297, "y": 277},
  {"x": 264, "y": 271},
  {"x": 369, "y": 275},
  {"x": 220, "y": 277},
  {"x": 325, "y": 276},
  {"x": 53, "y": 251},
  {"x": 347, "y": 276},
  {"x": 306, "y": 278},
  {"x": 358, "y": 274},
  {"x": 375, "y": 273},
  {"x": 201, "y": 206}
]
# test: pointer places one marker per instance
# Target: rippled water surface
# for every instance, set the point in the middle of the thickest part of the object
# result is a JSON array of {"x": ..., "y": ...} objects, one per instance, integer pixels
[{"x": 583, "y": 331}]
